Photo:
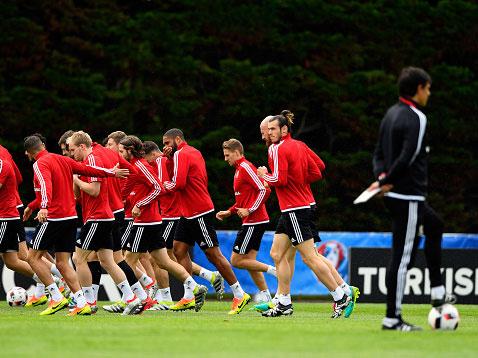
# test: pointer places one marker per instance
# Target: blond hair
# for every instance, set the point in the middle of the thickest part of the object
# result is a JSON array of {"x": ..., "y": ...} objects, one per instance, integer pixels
[
  {"x": 81, "y": 137},
  {"x": 232, "y": 145}
]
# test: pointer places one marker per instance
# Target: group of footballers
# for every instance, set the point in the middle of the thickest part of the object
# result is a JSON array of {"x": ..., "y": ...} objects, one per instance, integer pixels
[{"x": 144, "y": 208}]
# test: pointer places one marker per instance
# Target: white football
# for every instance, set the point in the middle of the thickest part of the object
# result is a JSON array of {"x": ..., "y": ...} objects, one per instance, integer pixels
[
  {"x": 445, "y": 317},
  {"x": 17, "y": 296}
]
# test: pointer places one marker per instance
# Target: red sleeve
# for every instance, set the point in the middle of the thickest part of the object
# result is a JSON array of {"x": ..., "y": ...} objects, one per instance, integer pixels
[
  {"x": 124, "y": 164},
  {"x": 128, "y": 185},
  {"x": 153, "y": 183},
  {"x": 279, "y": 166},
  {"x": 319, "y": 162},
  {"x": 313, "y": 172},
  {"x": 5, "y": 170},
  {"x": 180, "y": 172},
  {"x": 42, "y": 176},
  {"x": 251, "y": 177},
  {"x": 233, "y": 209},
  {"x": 86, "y": 170},
  {"x": 162, "y": 166}
]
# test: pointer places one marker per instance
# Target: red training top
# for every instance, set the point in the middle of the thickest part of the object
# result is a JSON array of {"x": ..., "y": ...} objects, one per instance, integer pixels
[
  {"x": 190, "y": 182},
  {"x": 289, "y": 163},
  {"x": 8, "y": 199},
  {"x": 96, "y": 208},
  {"x": 169, "y": 203},
  {"x": 53, "y": 184},
  {"x": 250, "y": 193},
  {"x": 5, "y": 154}
]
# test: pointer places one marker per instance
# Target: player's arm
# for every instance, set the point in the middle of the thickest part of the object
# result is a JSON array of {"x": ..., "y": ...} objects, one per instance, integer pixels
[
  {"x": 378, "y": 158},
  {"x": 92, "y": 189},
  {"x": 3, "y": 172},
  {"x": 251, "y": 177},
  {"x": 150, "y": 180},
  {"x": 43, "y": 175},
  {"x": 313, "y": 172},
  {"x": 180, "y": 172},
  {"x": 315, "y": 158},
  {"x": 93, "y": 171},
  {"x": 410, "y": 147},
  {"x": 279, "y": 166}
]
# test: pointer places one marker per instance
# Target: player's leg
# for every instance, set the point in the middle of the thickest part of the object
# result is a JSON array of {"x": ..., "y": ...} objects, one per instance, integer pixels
[
  {"x": 162, "y": 298},
  {"x": 433, "y": 229},
  {"x": 183, "y": 241},
  {"x": 191, "y": 288},
  {"x": 404, "y": 233},
  {"x": 214, "y": 277},
  {"x": 148, "y": 275},
  {"x": 43, "y": 241}
]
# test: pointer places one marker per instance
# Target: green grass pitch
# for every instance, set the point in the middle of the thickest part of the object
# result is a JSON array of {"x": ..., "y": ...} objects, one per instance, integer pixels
[{"x": 211, "y": 332}]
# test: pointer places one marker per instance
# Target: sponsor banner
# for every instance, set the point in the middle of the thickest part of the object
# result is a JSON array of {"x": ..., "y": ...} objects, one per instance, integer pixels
[{"x": 368, "y": 268}]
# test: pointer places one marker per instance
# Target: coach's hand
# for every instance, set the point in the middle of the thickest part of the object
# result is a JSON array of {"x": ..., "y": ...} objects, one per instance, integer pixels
[
  {"x": 42, "y": 215},
  {"x": 27, "y": 213},
  {"x": 120, "y": 173},
  {"x": 136, "y": 212},
  {"x": 221, "y": 215},
  {"x": 243, "y": 212}
]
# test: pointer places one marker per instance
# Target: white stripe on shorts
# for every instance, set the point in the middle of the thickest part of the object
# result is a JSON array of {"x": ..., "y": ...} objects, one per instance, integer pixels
[
  {"x": 89, "y": 236},
  {"x": 39, "y": 236},
  {"x": 247, "y": 238},
  {"x": 296, "y": 226},
  {"x": 205, "y": 233}
]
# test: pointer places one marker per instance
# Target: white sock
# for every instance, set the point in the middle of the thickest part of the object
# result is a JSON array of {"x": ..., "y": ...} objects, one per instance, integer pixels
[
  {"x": 125, "y": 288},
  {"x": 189, "y": 286},
  {"x": 285, "y": 299},
  {"x": 266, "y": 295},
  {"x": 36, "y": 278},
  {"x": 89, "y": 294},
  {"x": 39, "y": 290},
  {"x": 337, "y": 294},
  {"x": 139, "y": 291},
  {"x": 271, "y": 270},
  {"x": 275, "y": 300},
  {"x": 237, "y": 290},
  {"x": 206, "y": 274},
  {"x": 54, "y": 292},
  {"x": 79, "y": 299},
  {"x": 437, "y": 293},
  {"x": 164, "y": 294},
  {"x": 54, "y": 270},
  {"x": 145, "y": 280},
  {"x": 346, "y": 289},
  {"x": 95, "y": 288}
]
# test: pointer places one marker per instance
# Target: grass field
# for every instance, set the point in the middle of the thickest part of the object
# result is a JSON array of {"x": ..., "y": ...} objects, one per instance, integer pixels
[{"x": 211, "y": 332}]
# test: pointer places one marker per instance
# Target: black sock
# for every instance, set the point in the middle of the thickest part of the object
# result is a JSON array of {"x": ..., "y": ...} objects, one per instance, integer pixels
[
  {"x": 128, "y": 271},
  {"x": 96, "y": 271}
]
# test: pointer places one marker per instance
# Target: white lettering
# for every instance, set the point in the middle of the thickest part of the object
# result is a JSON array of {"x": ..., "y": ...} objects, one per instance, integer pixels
[
  {"x": 464, "y": 283},
  {"x": 414, "y": 280},
  {"x": 382, "y": 283},
  {"x": 426, "y": 283},
  {"x": 449, "y": 280},
  {"x": 367, "y": 273}
]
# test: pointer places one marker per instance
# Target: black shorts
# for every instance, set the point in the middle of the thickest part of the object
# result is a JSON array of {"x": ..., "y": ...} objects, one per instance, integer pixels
[
  {"x": 296, "y": 225},
  {"x": 200, "y": 230},
  {"x": 169, "y": 228},
  {"x": 313, "y": 228},
  {"x": 95, "y": 235},
  {"x": 144, "y": 238},
  {"x": 249, "y": 238},
  {"x": 116, "y": 230},
  {"x": 56, "y": 236},
  {"x": 125, "y": 231},
  {"x": 8, "y": 235},
  {"x": 20, "y": 227}
]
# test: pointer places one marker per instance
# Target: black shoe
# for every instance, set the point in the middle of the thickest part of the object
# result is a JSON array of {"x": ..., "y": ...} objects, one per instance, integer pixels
[
  {"x": 401, "y": 325},
  {"x": 449, "y": 298},
  {"x": 279, "y": 310}
]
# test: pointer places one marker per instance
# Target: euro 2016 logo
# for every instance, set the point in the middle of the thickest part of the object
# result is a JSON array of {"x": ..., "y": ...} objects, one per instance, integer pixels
[{"x": 334, "y": 251}]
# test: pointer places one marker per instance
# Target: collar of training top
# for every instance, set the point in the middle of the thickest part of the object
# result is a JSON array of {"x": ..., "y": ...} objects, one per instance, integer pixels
[
  {"x": 239, "y": 161},
  {"x": 409, "y": 102},
  {"x": 182, "y": 145},
  {"x": 41, "y": 154}
]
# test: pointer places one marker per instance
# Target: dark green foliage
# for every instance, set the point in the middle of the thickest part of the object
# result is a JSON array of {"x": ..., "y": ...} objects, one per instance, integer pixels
[{"x": 216, "y": 68}]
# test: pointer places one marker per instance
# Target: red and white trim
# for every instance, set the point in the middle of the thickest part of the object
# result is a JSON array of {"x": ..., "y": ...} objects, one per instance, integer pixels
[
  {"x": 262, "y": 190},
  {"x": 43, "y": 190},
  {"x": 157, "y": 188}
]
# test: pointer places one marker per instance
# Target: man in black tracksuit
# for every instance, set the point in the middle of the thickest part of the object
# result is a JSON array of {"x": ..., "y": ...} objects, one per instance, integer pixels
[{"x": 400, "y": 166}]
